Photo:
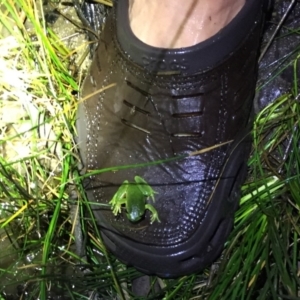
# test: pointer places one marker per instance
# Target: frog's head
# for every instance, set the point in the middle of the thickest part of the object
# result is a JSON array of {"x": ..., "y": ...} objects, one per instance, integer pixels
[{"x": 134, "y": 216}]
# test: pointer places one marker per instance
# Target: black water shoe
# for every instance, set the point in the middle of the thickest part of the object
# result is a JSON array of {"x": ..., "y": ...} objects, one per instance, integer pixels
[{"x": 164, "y": 103}]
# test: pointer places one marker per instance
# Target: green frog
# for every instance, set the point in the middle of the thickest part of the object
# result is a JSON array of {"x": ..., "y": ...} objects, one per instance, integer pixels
[{"x": 133, "y": 196}]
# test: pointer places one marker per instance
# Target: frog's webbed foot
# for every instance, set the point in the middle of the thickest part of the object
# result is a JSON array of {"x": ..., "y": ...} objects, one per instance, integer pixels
[
  {"x": 119, "y": 198},
  {"x": 116, "y": 209},
  {"x": 154, "y": 213},
  {"x": 116, "y": 205}
]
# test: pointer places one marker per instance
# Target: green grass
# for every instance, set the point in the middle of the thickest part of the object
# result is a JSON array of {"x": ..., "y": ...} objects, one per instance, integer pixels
[
  {"x": 263, "y": 253},
  {"x": 42, "y": 198}
]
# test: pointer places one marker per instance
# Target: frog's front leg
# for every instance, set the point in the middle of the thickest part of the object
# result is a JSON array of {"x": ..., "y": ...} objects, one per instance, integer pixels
[
  {"x": 116, "y": 207},
  {"x": 144, "y": 187},
  {"x": 154, "y": 213},
  {"x": 119, "y": 198}
]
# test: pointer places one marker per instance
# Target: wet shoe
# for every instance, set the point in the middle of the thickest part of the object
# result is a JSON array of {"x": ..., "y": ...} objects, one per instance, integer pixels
[{"x": 164, "y": 103}]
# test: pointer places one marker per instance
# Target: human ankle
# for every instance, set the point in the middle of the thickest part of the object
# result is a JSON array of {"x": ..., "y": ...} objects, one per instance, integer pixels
[{"x": 170, "y": 24}]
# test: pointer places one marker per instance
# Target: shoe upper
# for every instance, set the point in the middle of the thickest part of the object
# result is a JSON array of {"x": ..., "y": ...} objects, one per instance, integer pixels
[{"x": 149, "y": 115}]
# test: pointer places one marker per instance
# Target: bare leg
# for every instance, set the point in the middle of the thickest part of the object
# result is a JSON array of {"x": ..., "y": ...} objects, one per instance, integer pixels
[{"x": 175, "y": 24}]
